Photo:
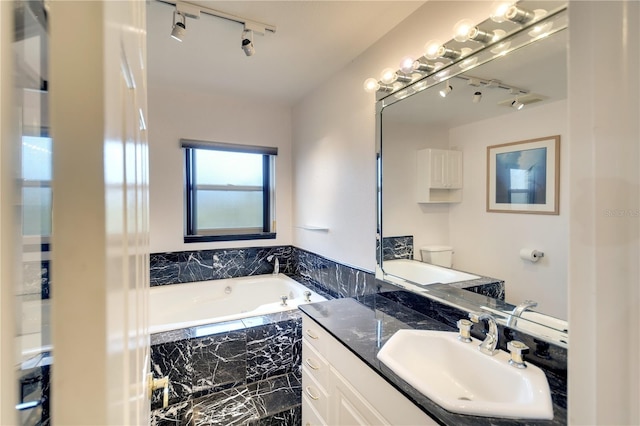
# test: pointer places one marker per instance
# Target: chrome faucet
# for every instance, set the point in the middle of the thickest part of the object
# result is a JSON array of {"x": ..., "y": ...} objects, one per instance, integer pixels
[
  {"x": 276, "y": 264},
  {"x": 490, "y": 343},
  {"x": 518, "y": 310}
]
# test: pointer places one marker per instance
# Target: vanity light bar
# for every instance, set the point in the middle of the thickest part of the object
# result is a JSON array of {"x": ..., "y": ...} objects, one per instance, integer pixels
[{"x": 412, "y": 70}]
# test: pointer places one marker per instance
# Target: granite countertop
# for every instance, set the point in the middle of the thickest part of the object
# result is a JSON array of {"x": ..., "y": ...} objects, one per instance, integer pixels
[{"x": 365, "y": 325}]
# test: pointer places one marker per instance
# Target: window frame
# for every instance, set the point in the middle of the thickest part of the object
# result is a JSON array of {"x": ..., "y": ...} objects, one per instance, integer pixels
[{"x": 267, "y": 231}]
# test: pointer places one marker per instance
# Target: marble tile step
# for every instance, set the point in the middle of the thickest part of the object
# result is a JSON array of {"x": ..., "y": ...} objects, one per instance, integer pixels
[{"x": 272, "y": 401}]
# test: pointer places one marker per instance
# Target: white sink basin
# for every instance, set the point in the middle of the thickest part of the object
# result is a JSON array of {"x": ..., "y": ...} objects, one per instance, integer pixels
[{"x": 461, "y": 379}]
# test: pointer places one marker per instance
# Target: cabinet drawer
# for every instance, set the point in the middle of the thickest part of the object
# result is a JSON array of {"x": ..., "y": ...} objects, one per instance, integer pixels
[
  {"x": 315, "y": 335},
  {"x": 316, "y": 364},
  {"x": 310, "y": 417},
  {"x": 315, "y": 394}
]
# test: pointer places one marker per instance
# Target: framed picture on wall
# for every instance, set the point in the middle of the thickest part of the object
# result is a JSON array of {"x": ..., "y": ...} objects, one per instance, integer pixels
[{"x": 524, "y": 176}]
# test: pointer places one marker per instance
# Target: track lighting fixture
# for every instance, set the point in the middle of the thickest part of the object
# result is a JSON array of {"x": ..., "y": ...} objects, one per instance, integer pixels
[
  {"x": 184, "y": 10},
  {"x": 446, "y": 89},
  {"x": 516, "y": 104},
  {"x": 179, "y": 29},
  {"x": 477, "y": 96},
  {"x": 247, "y": 43}
]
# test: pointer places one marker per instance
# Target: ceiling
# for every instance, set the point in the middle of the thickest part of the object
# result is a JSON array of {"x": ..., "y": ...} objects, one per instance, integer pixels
[{"x": 313, "y": 40}]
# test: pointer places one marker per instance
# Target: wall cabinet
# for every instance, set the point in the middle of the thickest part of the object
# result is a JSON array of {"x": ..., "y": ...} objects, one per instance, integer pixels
[
  {"x": 439, "y": 174},
  {"x": 339, "y": 389}
]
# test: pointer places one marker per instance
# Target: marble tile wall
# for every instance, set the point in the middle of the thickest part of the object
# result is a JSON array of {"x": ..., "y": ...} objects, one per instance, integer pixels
[
  {"x": 400, "y": 247},
  {"x": 335, "y": 279},
  {"x": 250, "y": 374},
  {"x": 202, "y": 265},
  {"x": 319, "y": 273}
]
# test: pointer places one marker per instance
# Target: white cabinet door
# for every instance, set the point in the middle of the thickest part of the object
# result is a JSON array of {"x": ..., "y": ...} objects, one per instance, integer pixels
[
  {"x": 350, "y": 393},
  {"x": 438, "y": 165},
  {"x": 350, "y": 408},
  {"x": 439, "y": 176}
]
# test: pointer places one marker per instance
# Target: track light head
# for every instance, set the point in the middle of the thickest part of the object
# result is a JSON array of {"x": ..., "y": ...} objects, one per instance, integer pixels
[
  {"x": 247, "y": 43},
  {"x": 516, "y": 104},
  {"x": 446, "y": 90},
  {"x": 179, "y": 30},
  {"x": 477, "y": 96}
]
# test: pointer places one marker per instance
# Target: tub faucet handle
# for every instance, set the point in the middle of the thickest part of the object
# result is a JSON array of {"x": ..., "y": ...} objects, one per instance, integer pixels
[
  {"x": 284, "y": 300},
  {"x": 307, "y": 296},
  {"x": 276, "y": 263},
  {"x": 155, "y": 384}
]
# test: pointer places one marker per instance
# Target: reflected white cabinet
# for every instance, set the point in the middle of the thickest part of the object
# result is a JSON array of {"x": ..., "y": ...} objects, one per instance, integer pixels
[
  {"x": 439, "y": 174},
  {"x": 339, "y": 389}
]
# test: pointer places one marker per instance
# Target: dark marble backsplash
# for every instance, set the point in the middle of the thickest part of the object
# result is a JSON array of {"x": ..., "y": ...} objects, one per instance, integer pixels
[
  {"x": 400, "y": 247},
  {"x": 325, "y": 276},
  {"x": 203, "y": 265}
]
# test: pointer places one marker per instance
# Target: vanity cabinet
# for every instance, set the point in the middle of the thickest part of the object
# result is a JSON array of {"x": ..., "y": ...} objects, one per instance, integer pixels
[
  {"x": 439, "y": 174},
  {"x": 340, "y": 389}
]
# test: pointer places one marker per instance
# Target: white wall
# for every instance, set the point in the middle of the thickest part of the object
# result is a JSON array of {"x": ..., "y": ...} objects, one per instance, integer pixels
[
  {"x": 214, "y": 117},
  {"x": 428, "y": 223},
  {"x": 334, "y": 139},
  {"x": 489, "y": 243}
]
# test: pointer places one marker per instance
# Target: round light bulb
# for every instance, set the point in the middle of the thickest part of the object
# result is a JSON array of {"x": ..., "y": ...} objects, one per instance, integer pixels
[
  {"x": 406, "y": 65},
  {"x": 461, "y": 30},
  {"x": 388, "y": 76},
  {"x": 431, "y": 49},
  {"x": 499, "y": 10},
  {"x": 371, "y": 85}
]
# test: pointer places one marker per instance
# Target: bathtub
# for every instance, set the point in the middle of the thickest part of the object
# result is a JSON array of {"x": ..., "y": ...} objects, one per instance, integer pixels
[
  {"x": 179, "y": 306},
  {"x": 424, "y": 273}
]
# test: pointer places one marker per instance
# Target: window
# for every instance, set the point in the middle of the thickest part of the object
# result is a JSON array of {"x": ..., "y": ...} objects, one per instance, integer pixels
[{"x": 229, "y": 191}]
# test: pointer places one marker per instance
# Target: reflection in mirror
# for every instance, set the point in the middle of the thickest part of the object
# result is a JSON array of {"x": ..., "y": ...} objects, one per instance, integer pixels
[{"x": 433, "y": 151}]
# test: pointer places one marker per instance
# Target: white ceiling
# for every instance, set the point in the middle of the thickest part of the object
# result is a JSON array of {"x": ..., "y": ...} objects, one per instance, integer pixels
[{"x": 314, "y": 39}]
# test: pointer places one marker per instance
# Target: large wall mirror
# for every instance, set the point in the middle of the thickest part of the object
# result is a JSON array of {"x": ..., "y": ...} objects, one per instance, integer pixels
[{"x": 435, "y": 172}]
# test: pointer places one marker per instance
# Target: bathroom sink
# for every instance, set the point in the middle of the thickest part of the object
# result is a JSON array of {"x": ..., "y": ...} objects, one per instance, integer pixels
[{"x": 461, "y": 379}]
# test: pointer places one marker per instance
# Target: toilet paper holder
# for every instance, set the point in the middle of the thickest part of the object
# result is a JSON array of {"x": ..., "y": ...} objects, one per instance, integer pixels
[{"x": 531, "y": 255}]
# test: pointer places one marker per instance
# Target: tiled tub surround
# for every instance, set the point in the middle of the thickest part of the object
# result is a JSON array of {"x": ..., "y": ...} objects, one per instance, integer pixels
[
  {"x": 400, "y": 247},
  {"x": 316, "y": 272},
  {"x": 235, "y": 373},
  {"x": 355, "y": 324}
]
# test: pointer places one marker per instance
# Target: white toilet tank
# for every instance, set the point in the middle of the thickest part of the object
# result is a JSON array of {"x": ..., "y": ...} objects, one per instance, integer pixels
[{"x": 437, "y": 255}]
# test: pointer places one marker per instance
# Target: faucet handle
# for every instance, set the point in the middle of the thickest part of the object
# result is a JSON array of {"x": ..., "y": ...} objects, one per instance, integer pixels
[
  {"x": 517, "y": 349},
  {"x": 464, "y": 327}
]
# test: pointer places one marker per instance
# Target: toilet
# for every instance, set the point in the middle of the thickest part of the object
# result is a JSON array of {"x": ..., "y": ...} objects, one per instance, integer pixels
[{"x": 437, "y": 255}]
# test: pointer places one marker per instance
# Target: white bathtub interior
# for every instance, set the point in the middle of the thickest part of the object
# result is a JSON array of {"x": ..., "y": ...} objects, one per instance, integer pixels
[
  {"x": 423, "y": 273},
  {"x": 185, "y": 305}
]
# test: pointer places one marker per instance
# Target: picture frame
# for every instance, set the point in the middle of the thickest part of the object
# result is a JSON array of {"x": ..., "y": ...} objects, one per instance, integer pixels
[{"x": 524, "y": 176}]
